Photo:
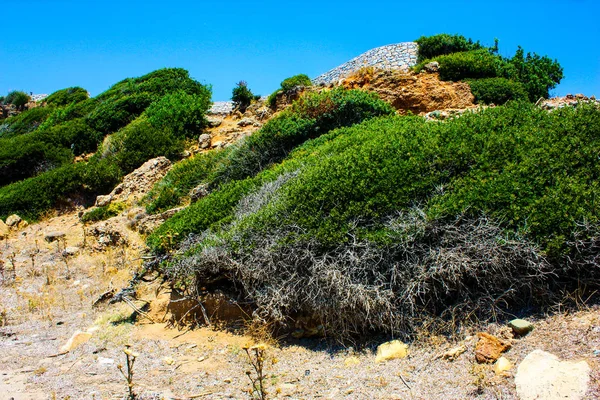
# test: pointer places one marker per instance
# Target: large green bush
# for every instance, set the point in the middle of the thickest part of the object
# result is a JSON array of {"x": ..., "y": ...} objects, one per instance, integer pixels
[
  {"x": 25, "y": 122},
  {"x": 309, "y": 117},
  {"x": 67, "y": 96},
  {"x": 289, "y": 84},
  {"x": 17, "y": 98},
  {"x": 242, "y": 96},
  {"x": 442, "y": 44},
  {"x": 181, "y": 113},
  {"x": 538, "y": 74},
  {"x": 397, "y": 218},
  {"x": 496, "y": 90},
  {"x": 36, "y": 153}
]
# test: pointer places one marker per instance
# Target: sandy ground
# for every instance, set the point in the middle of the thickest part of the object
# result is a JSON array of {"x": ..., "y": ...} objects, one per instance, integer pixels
[{"x": 51, "y": 297}]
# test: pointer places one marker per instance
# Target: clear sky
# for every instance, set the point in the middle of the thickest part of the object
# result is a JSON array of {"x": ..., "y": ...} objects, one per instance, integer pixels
[{"x": 48, "y": 45}]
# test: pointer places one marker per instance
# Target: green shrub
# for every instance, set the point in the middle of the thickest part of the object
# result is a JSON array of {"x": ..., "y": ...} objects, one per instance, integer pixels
[
  {"x": 17, "y": 98},
  {"x": 103, "y": 213},
  {"x": 67, "y": 96},
  {"x": 113, "y": 114},
  {"x": 242, "y": 96},
  {"x": 442, "y": 44},
  {"x": 475, "y": 64},
  {"x": 537, "y": 74},
  {"x": 67, "y": 113},
  {"x": 182, "y": 178},
  {"x": 496, "y": 90},
  {"x": 75, "y": 134},
  {"x": 399, "y": 218},
  {"x": 25, "y": 122},
  {"x": 289, "y": 84},
  {"x": 181, "y": 113}
]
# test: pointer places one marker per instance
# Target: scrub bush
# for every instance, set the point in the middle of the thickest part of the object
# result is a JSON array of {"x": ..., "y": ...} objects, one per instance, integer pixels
[
  {"x": 442, "y": 44},
  {"x": 496, "y": 90},
  {"x": 67, "y": 96},
  {"x": 17, "y": 98},
  {"x": 180, "y": 113},
  {"x": 242, "y": 96},
  {"x": 289, "y": 84}
]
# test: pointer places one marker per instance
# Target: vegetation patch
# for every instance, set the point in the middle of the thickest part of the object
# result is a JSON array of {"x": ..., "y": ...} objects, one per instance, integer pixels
[
  {"x": 103, "y": 213},
  {"x": 397, "y": 220},
  {"x": 289, "y": 84}
]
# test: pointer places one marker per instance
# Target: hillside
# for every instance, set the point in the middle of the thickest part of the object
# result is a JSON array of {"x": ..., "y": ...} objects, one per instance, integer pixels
[{"x": 423, "y": 210}]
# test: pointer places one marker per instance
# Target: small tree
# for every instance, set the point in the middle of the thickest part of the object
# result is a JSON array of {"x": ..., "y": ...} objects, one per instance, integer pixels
[
  {"x": 242, "y": 96},
  {"x": 17, "y": 98}
]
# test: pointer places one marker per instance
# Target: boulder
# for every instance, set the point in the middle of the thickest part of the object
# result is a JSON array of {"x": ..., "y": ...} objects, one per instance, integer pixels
[
  {"x": 71, "y": 251},
  {"x": 204, "y": 141},
  {"x": 433, "y": 66},
  {"x": 542, "y": 375},
  {"x": 520, "y": 326},
  {"x": 54, "y": 236},
  {"x": 13, "y": 220},
  {"x": 489, "y": 348},
  {"x": 76, "y": 340},
  {"x": 391, "y": 350},
  {"x": 213, "y": 121},
  {"x": 103, "y": 200},
  {"x": 248, "y": 122},
  {"x": 4, "y": 230}
]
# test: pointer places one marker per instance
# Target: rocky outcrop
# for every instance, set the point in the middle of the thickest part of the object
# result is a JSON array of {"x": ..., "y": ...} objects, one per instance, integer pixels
[
  {"x": 417, "y": 93},
  {"x": 138, "y": 183}
]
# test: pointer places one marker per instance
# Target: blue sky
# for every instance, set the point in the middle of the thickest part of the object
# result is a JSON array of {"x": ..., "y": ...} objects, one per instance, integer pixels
[{"x": 53, "y": 44}]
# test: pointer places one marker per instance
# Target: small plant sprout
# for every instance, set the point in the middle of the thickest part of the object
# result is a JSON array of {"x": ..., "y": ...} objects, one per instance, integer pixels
[
  {"x": 256, "y": 358},
  {"x": 130, "y": 357}
]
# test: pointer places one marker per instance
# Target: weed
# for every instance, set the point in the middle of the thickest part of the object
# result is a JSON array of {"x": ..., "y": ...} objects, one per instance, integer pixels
[
  {"x": 256, "y": 359},
  {"x": 130, "y": 357}
]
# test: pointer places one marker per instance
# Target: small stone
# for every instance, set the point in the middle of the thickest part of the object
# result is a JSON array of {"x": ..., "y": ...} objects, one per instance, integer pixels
[
  {"x": 204, "y": 141},
  {"x": 489, "y": 348},
  {"x": 76, "y": 340},
  {"x": 105, "y": 361},
  {"x": 351, "y": 361},
  {"x": 102, "y": 201},
  {"x": 54, "y": 236},
  {"x": 218, "y": 144},
  {"x": 542, "y": 375},
  {"x": 227, "y": 380},
  {"x": 454, "y": 353},
  {"x": 168, "y": 360},
  {"x": 71, "y": 251},
  {"x": 391, "y": 350},
  {"x": 520, "y": 326},
  {"x": 433, "y": 66},
  {"x": 502, "y": 366},
  {"x": 4, "y": 230},
  {"x": 13, "y": 220}
]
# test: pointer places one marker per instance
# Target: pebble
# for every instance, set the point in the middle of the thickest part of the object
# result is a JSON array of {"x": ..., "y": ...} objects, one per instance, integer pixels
[{"x": 394, "y": 56}]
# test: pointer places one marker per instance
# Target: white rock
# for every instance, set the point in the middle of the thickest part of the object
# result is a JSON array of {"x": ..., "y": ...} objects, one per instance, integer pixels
[{"x": 542, "y": 375}]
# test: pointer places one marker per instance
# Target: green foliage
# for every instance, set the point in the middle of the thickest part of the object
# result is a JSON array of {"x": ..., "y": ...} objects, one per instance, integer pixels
[
  {"x": 181, "y": 113},
  {"x": 67, "y": 96},
  {"x": 538, "y": 74},
  {"x": 242, "y": 96},
  {"x": 25, "y": 122},
  {"x": 103, "y": 213},
  {"x": 309, "y": 117},
  {"x": 17, "y": 98},
  {"x": 74, "y": 125},
  {"x": 112, "y": 115},
  {"x": 183, "y": 177},
  {"x": 140, "y": 141},
  {"x": 442, "y": 44},
  {"x": 496, "y": 90},
  {"x": 289, "y": 84},
  {"x": 460, "y": 59}
]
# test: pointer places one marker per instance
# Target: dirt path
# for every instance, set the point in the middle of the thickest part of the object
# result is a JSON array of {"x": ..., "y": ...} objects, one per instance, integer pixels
[{"x": 51, "y": 298}]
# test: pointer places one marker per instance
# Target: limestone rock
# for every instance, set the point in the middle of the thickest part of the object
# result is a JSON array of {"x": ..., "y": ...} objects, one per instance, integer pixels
[
  {"x": 502, "y": 366},
  {"x": 13, "y": 220},
  {"x": 542, "y": 375},
  {"x": 22, "y": 224},
  {"x": 248, "y": 122},
  {"x": 454, "y": 353},
  {"x": 433, "y": 66},
  {"x": 204, "y": 141},
  {"x": 351, "y": 361},
  {"x": 54, "y": 236},
  {"x": 391, "y": 350},
  {"x": 71, "y": 251},
  {"x": 198, "y": 192},
  {"x": 4, "y": 230},
  {"x": 489, "y": 348},
  {"x": 76, "y": 340},
  {"x": 102, "y": 201},
  {"x": 520, "y": 326},
  {"x": 214, "y": 121}
]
